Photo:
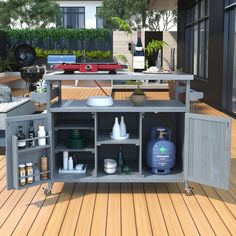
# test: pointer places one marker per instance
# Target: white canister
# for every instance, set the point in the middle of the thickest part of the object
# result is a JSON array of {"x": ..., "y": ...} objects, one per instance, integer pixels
[
  {"x": 41, "y": 133},
  {"x": 65, "y": 160},
  {"x": 70, "y": 163}
]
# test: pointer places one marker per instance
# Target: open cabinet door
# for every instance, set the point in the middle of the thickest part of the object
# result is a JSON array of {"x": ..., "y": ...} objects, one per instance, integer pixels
[
  {"x": 207, "y": 149},
  {"x": 17, "y": 156}
]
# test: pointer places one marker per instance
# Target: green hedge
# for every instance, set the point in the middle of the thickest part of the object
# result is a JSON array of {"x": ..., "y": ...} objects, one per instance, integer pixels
[{"x": 56, "y": 34}]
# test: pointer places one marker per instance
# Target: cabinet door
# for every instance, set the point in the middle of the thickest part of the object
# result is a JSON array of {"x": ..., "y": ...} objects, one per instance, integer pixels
[
  {"x": 207, "y": 150},
  {"x": 33, "y": 154}
]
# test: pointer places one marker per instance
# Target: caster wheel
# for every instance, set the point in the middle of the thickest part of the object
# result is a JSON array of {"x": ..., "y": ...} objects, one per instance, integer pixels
[
  {"x": 47, "y": 192},
  {"x": 189, "y": 192}
]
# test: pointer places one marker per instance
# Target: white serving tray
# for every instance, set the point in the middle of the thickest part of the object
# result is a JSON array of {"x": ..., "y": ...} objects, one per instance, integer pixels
[
  {"x": 119, "y": 138},
  {"x": 74, "y": 171}
]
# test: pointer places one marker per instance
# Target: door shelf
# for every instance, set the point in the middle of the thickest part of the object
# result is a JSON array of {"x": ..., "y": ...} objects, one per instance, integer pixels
[
  {"x": 34, "y": 184},
  {"x": 33, "y": 149},
  {"x": 89, "y": 148},
  {"x": 72, "y": 124}
]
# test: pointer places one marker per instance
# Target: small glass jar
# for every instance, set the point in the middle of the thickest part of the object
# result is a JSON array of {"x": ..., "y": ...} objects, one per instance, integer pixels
[
  {"x": 29, "y": 173},
  {"x": 22, "y": 174}
]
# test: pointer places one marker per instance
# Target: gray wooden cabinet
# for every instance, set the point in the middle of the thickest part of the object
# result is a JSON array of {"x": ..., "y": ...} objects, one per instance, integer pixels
[{"x": 202, "y": 142}]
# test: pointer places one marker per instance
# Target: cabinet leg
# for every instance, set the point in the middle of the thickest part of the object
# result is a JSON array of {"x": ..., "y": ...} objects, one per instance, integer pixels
[{"x": 188, "y": 190}]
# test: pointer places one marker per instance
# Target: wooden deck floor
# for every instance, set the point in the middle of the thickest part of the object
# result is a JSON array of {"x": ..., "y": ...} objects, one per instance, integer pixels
[{"x": 120, "y": 209}]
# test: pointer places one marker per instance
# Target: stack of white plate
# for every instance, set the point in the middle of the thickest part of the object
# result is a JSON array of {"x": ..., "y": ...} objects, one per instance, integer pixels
[{"x": 110, "y": 166}]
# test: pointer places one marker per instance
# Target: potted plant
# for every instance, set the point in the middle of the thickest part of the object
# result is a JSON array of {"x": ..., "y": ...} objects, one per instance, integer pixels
[{"x": 138, "y": 97}]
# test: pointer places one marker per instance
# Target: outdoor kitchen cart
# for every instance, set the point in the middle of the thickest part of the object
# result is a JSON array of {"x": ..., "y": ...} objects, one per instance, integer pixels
[{"x": 202, "y": 142}]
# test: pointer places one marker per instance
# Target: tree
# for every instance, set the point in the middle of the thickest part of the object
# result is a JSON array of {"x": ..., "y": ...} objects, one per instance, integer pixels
[
  {"x": 161, "y": 20},
  {"x": 136, "y": 14},
  {"x": 28, "y": 13}
]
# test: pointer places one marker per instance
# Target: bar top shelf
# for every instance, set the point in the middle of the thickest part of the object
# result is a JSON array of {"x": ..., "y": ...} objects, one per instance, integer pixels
[
  {"x": 119, "y": 76},
  {"x": 119, "y": 105}
]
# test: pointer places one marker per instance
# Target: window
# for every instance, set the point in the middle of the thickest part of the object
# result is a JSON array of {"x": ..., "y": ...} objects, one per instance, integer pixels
[
  {"x": 72, "y": 17},
  {"x": 99, "y": 21},
  {"x": 196, "y": 38},
  {"x": 230, "y": 56}
]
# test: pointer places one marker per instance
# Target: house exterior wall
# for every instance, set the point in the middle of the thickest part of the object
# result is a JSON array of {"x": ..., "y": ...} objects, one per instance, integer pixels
[
  {"x": 90, "y": 10},
  {"x": 212, "y": 86}
]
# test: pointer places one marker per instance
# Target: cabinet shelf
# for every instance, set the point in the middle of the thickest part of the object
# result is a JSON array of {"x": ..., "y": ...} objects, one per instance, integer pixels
[
  {"x": 104, "y": 138},
  {"x": 89, "y": 148},
  {"x": 120, "y": 105},
  {"x": 74, "y": 124},
  {"x": 34, "y": 149}
]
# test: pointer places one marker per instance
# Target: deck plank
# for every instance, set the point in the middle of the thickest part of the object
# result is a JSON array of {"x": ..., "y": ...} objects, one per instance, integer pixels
[
  {"x": 185, "y": 218},
  {"x": 98, "y": 227},
  {"x": 171, "y": 219},
  {"x": 155, "y": 212},
  {"x": 226, "y": 216},
  {"x": 72, "y": 214},
  {"x": 141, "y": 211},
  {"x": 113, "y": 211},
  {"x": 83, "y": 226},
  {"x": 57, "y": 216},
  {"x": 210, "y": 212},
  {"x": 28, "y": 218},
  {"x": 43, "y": 216},
  {"x": 15, "y": 216},
  {"x": 128, "y": 222},
  {"x": 197, "y": 214}
]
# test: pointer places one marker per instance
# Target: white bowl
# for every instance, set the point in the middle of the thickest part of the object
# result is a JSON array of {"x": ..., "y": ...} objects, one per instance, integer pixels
[
  {"x": 100, "y": 101},
  {"x": 110, "y": 163},
  {"x": 110, "y": 170}
]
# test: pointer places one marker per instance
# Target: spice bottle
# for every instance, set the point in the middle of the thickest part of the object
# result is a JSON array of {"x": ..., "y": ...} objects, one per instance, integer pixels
[
  {"x": 44, "y": 167},
  {"x": 29, "y": 173},
  {"x": 31, "y": 134},
  {"x": 22, "y": 179},
  {"x": 21, "y": 136}
]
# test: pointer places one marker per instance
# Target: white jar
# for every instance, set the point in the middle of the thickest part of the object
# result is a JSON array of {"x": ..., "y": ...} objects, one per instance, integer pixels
[
  {"x": 70, "y": 163},
  {"x": 41, "y": 133}
]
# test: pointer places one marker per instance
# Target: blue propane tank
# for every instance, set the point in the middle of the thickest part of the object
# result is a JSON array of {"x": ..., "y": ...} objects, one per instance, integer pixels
[{"x": 161, "y": 151}]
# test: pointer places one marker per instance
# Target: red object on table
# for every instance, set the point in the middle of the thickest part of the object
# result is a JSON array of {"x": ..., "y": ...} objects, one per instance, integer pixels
[{"x": 89, "y": 67}]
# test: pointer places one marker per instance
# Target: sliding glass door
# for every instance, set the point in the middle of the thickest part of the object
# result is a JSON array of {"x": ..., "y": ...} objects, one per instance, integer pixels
[{"x": 230, "y": 57}]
